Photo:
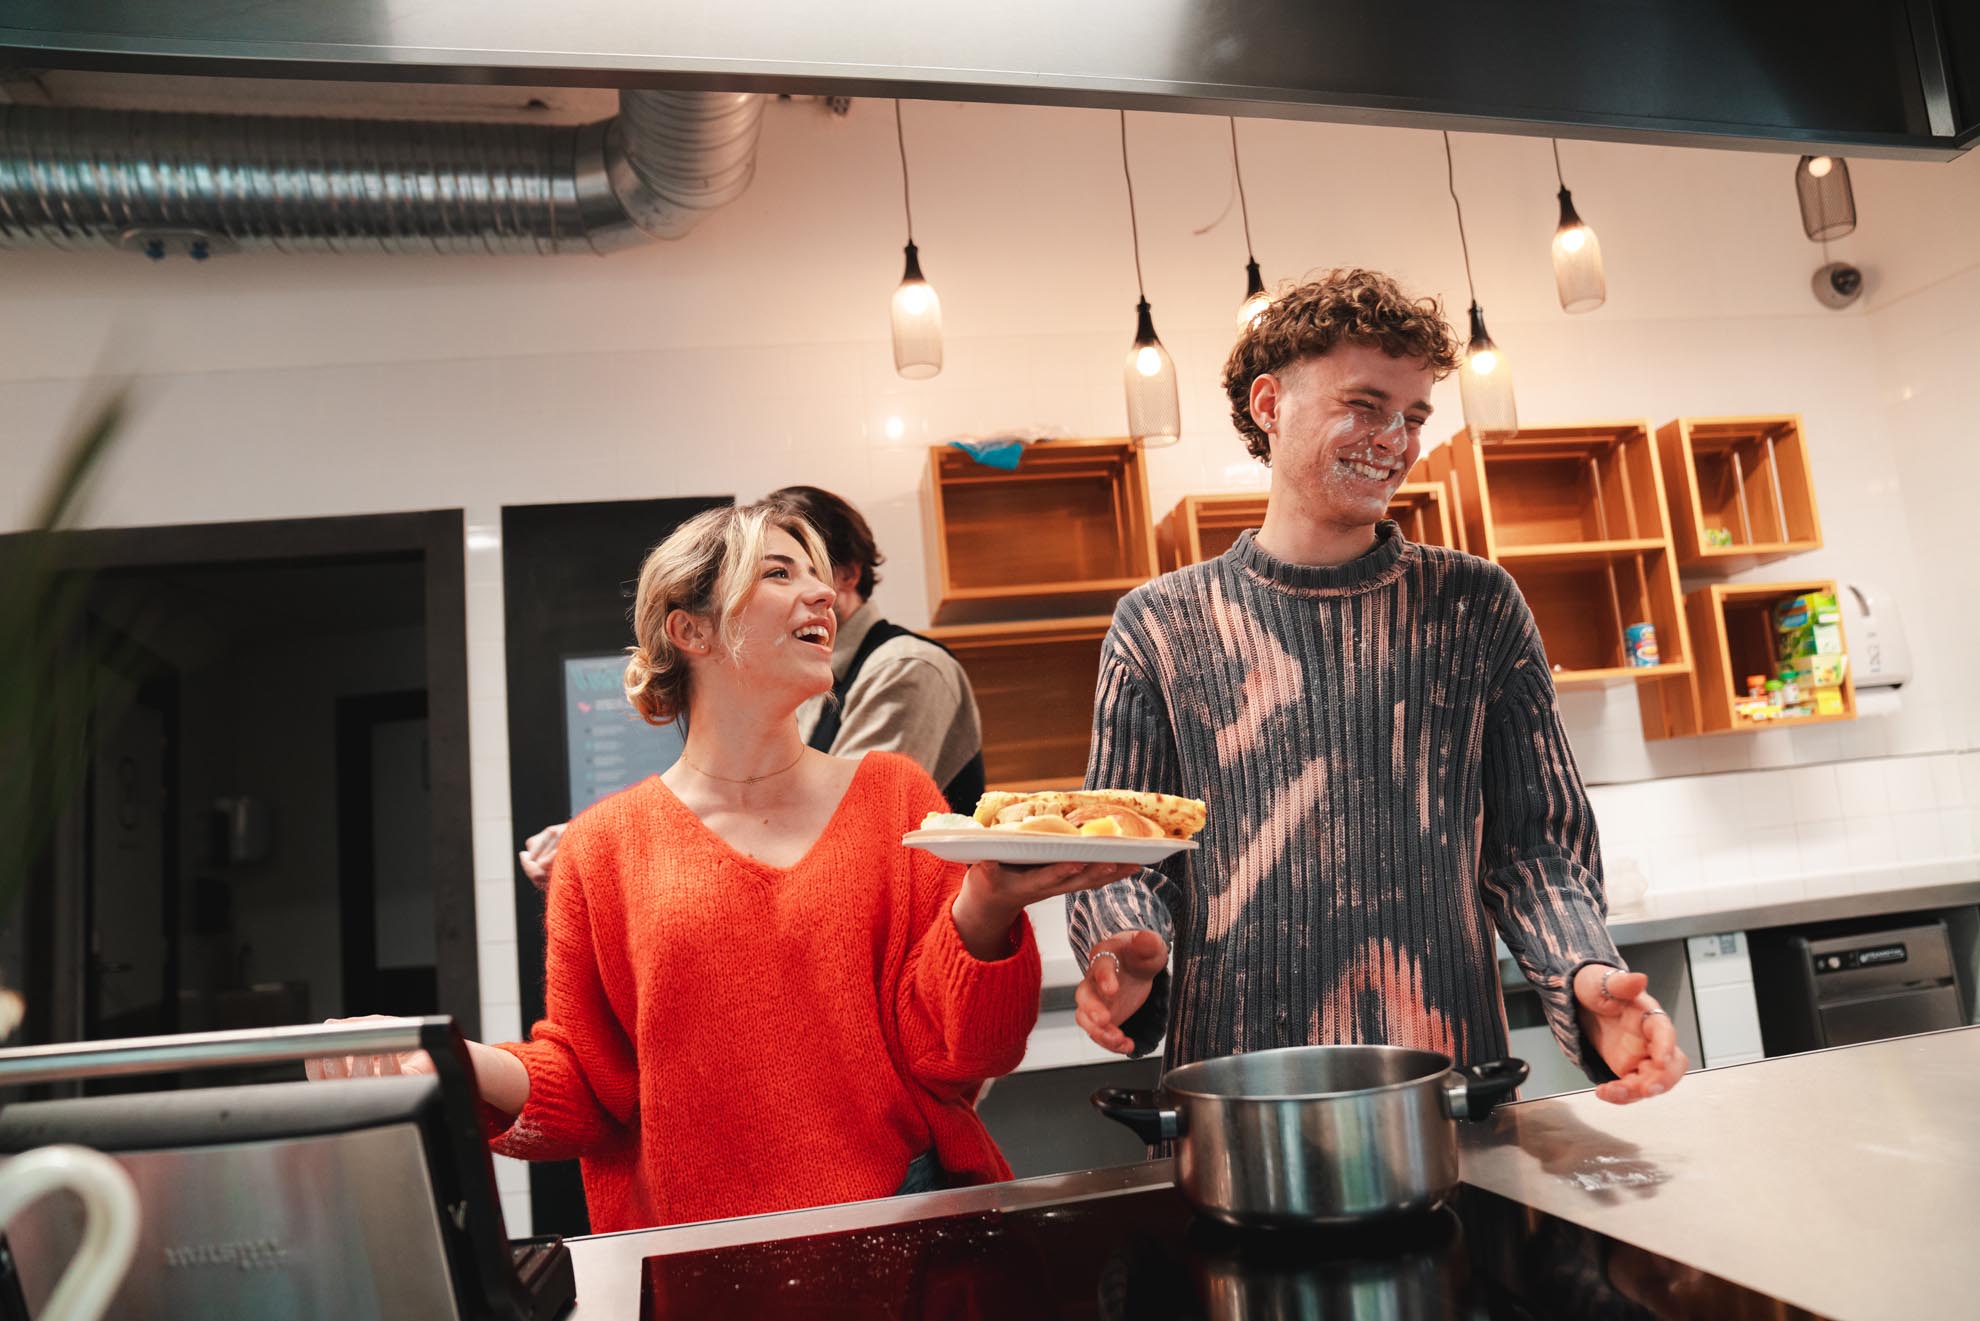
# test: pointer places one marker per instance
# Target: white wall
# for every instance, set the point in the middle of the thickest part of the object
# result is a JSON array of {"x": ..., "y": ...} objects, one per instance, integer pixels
[{"x": 753, "y": 354}]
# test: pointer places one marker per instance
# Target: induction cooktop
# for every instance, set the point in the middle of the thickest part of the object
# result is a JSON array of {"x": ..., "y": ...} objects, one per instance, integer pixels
[{"x": 1143, "y": 1255}]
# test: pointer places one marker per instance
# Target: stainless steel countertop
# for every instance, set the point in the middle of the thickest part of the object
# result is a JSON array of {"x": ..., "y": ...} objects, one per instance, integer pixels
[{"x": 1844, "y": 1181}]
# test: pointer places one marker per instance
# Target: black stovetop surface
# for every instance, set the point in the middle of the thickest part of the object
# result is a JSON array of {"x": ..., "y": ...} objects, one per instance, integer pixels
[{"x": 1143, "y": 1256}]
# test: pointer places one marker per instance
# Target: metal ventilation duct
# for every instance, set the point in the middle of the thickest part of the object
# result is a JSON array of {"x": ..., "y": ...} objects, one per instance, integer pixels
[{"x": 206, "y": 184}]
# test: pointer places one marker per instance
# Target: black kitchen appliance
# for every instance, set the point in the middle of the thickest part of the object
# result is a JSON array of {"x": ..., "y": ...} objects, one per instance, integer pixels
[
  {"x": 1845, "y": 983},
  {"x": 365, "y": 1197}
]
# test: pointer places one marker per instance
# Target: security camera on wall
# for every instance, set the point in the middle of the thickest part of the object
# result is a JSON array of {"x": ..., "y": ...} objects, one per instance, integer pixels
[{"x": 1838, "y": 284}]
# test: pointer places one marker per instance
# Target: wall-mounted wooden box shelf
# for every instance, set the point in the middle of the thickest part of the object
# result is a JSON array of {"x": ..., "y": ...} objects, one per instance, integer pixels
[
  {"x": 1544, "y": 487},
  {"x": 1576, "y": 514},
  {"x": 1732, "y": 627},
  {"x": 1067, "y": 533},
  {"x": 1423, "y": 511},
  {"x": 1584, "y": 600},
  {"x": 1202, "y": 527},
  {"x": 1034, "y": 683},
  {"x": 1745, "y": 479}
]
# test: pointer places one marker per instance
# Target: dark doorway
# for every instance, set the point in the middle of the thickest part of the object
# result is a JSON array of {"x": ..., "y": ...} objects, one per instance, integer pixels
[
  {"x": 209, "y": 857},
  {"x": 131, "y": 865},
  {"x": 568, "y": 573},
  {"x": 385, "y": 888}
]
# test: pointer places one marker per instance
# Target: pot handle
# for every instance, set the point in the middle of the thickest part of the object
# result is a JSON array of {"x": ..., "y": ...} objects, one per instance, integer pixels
[
  {"x": 1472, "y": 1091},
  {"x": 1140, "y": 1112}
]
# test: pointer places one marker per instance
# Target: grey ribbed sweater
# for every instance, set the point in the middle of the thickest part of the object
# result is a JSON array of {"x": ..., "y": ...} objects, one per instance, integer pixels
[{"x": 1388, "y": 781}]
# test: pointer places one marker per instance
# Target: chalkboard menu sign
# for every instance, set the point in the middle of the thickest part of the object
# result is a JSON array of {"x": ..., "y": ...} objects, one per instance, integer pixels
[{"x": 607, "y": 745}]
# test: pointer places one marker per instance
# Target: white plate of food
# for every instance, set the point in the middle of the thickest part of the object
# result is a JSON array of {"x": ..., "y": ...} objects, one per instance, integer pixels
[
  {"x": 1018, "y": 849},
  {"x": 1030, "y": 830}
]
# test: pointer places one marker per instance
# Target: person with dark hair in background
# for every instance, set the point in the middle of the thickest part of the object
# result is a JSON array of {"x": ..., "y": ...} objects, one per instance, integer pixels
[{"x": 893, "y": 690}]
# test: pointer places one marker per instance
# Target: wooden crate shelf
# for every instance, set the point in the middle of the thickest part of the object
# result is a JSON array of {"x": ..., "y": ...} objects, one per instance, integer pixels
[
  {"x": 1067, "y": 533},
  {"x": 1423, "y": 511},
  {"x": 1034, "y": 683},
  {"x": 1584, "y": 552},
  {"x": 1202, "y": 527},
  {"x": 1747, "y": 477},
  {"x": 1732, "y": 628},
  {"x": 1576, "y": 514},
  {"x": 1557, "y": 485},
  {"x": 1584, "y": 602}
]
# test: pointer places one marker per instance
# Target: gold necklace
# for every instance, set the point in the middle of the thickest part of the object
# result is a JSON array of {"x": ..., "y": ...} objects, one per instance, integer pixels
[{"x": 747, "y": 779}]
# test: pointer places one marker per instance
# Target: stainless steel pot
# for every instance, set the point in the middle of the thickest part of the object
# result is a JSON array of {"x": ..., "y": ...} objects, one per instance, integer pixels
[{"x": 1315, "y": 1135}]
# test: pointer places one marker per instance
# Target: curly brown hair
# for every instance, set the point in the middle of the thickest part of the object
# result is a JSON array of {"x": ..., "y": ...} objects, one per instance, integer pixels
[{"x": 1347, "y": 305}]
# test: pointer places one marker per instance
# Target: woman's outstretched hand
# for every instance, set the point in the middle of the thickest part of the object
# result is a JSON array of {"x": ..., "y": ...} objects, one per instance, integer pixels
[
  {"x": 993, "y": 895},
  {"x": 499, "y": 1077}
]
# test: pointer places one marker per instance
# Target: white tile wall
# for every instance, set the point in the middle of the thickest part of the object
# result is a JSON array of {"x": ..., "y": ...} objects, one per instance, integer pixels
[{"x": 1827, "y": 829}]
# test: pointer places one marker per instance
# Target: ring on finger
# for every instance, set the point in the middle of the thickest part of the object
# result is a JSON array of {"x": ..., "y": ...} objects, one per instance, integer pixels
[
  {"x": 1652, "y": 1013},
  {"x": 1605, "y": 983},
  {"x": 1104, "y": 954}
]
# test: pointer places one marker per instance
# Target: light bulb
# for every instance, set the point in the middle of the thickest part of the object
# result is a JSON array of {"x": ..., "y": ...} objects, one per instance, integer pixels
[
  {"x": 1828, "y": 203},
  {"x": 1578, "y": 276},
  {"x": 1256, "y": 299},
  {"x": 1485, "y": 385},
  {"x": 1154, "y": 414},
  {"x": 917, "y": 320}
]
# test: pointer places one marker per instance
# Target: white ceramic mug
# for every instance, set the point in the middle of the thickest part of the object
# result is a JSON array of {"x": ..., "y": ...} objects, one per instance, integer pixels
[{"x": 110, "y": 1223}]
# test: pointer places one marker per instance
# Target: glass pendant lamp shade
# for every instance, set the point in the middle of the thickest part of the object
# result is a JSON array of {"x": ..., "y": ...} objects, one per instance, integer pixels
[
  {"x": 1828, "y": 204},
  {"x": 1578, "y": 274},
  {"x": 1154, "y": 412},
  {"x": 1485, "y": 385},
  {"x": 1256, "y": 300},
  {"x": 917, "y": 314}
]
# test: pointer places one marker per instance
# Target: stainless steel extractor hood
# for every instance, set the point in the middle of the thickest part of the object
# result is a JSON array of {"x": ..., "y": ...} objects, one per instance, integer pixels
[{"x": 1865, "y": 78}]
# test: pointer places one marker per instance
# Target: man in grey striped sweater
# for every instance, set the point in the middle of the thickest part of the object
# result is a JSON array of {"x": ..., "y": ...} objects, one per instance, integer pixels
[{"x": 1373, "y": 726}]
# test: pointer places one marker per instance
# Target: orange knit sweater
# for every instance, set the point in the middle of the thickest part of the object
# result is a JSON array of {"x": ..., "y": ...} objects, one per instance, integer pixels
[{"x": 724, "y": 1038}]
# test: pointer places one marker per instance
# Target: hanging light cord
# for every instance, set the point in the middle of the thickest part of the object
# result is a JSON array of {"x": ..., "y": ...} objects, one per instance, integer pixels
[
  {"x": 1557, "y": 162},
  {"x": 1134, "y": 226},
  {"x": 1244, "y": 212},
  {"x": 900, "y": 136},
  {"x": 1450, "y": 171}
]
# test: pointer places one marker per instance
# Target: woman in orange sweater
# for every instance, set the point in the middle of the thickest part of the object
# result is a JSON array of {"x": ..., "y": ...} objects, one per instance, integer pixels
[{"x": 755, "y": 999}]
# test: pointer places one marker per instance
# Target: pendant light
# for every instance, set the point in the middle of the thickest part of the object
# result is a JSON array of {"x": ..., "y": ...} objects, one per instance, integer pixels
[
  {"x": 1828, "y": 204},
  {"x": 917, "y": 312},
  {"x": 1578, "y": 277},
  {"x": 1256, "y": 300},
  {"x": 1154, "y": 413},
  {"x": 1485, "y": 378}
]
